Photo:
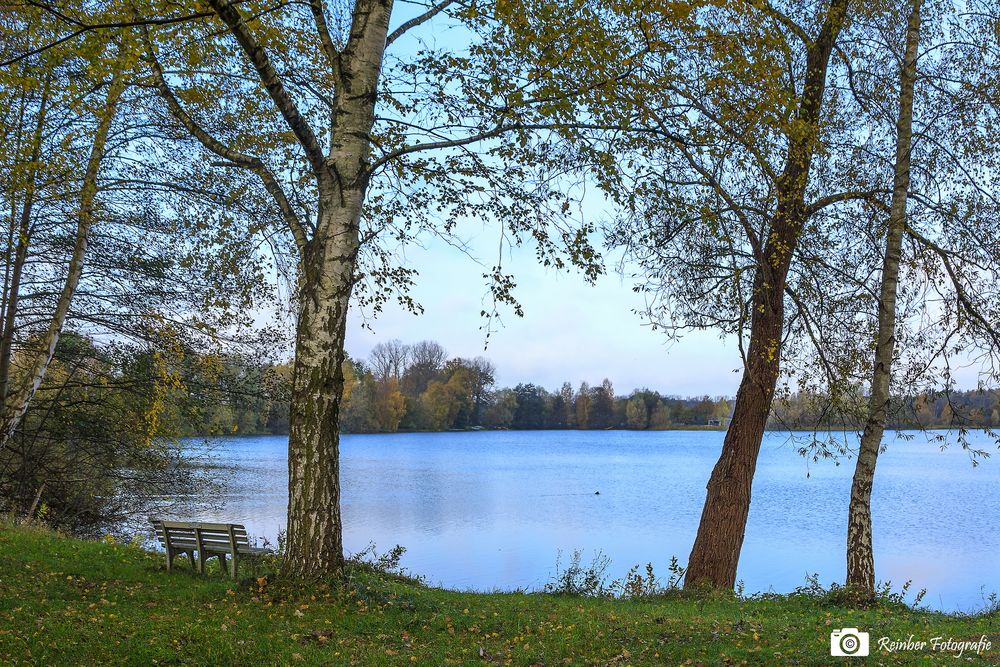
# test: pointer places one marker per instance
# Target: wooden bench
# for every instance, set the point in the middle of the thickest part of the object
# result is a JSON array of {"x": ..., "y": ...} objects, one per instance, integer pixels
[{"x": 208, "y": 539}]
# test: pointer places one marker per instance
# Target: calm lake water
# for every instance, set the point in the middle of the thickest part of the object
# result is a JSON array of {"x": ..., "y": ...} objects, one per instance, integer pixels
[{"x": 491, "y": 510}]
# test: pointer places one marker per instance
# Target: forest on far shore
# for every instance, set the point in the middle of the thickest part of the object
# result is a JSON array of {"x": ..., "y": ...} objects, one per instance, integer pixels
[{"x": 420, "y": 388}]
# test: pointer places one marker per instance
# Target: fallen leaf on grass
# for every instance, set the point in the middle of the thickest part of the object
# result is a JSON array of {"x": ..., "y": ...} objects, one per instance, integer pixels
[
  {"x": 621, "y": 657},
  {"x": 487, "y": 656},
  {"x": 316, "y": 636}
]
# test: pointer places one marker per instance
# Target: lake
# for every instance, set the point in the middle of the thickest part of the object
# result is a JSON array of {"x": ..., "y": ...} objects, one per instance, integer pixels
[{"x": 492, "y": 509}]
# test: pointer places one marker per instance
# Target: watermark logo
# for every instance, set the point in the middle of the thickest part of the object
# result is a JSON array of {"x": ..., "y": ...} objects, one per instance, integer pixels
[
  {"x": 848, "y": 642},
  {"x": 955, "y": 647},
  {"x": 851, "y": 642}
]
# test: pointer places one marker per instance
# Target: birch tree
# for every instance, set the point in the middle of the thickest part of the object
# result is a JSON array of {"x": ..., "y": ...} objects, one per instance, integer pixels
[
  {"x": 931, "y": 306},
  {"x": 860, "y": 556},
  {"x": 358, "y": 150},
  {"x": 51, "y": 100}
]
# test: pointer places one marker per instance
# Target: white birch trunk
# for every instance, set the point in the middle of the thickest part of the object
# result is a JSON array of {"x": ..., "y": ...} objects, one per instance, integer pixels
[
  {"x": 315, "y": 531},
  {"x": 860, "y": 552},
  {"x": 15, "y": 403}
]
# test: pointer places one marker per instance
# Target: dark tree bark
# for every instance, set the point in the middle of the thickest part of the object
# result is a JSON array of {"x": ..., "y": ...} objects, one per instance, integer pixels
[
  {"x": 860, "y": 556},
  {"x": 716, "y": 551},
  {"x": 20, "y": 234}
]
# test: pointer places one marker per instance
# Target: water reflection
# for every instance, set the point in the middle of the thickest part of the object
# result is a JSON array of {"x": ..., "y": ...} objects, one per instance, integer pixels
[{"x": 491, "y": 510}]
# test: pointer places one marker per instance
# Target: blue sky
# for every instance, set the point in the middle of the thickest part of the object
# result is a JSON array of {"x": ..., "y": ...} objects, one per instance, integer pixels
[{"x": 570, "y": 331}]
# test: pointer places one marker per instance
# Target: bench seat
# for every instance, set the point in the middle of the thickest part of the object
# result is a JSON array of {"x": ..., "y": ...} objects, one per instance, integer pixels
[{"x": 207, "y": 539}]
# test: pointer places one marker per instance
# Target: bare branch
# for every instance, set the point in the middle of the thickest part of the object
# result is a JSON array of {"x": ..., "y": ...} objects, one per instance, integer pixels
[
  {"x": 823, "y": 202},
  {"x": 89, "y": 27},
  {"x": 417, "y": 20},
  {"x": 329, "y": 48},
  {"x": 787, "y": 21},
  {"x": 233, "y": 157},
  {"x": 503, "y": 129},
  {"x": 718, "y": 188},
  {"x": 963, "y": 298},
  {"x": 226, "y": 11},
  {"x": 734, "y": 133},
  {"x": 817, "y": 344}
]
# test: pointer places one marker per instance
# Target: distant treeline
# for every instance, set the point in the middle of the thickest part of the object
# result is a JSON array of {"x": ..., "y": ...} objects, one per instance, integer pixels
[
  {"x": 940, "y": 409},
  {"x": 419, "y": 388}
]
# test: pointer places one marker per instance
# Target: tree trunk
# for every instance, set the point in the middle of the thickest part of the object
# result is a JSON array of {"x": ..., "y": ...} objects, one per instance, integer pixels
[
  {"x": 328, "y": 260},
  {"x": 860, "y": 557},
  {"x": 22, "y": 234},
  {"x": 314, "y": 540},
  {"x": 720, "y": 535},
  {"x": 716, "y": 551},
  {"x": 15, "y": 404},
  {"x": 315, "y": 532}
]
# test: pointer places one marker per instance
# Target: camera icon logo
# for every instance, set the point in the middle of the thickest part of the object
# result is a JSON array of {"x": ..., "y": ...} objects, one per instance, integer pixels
[{"x": 848, "y": 642}]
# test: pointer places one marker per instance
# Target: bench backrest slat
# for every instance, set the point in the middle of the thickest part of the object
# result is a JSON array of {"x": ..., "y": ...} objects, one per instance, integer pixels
[{"x": 173, "y": 534}]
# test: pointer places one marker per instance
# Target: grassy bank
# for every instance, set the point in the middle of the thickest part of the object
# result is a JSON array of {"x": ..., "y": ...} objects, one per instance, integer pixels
[{"x": 66, "y": 601}]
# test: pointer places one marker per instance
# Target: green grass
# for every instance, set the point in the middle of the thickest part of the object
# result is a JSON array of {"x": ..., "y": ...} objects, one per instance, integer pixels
[{"x": 67, "y": 601}]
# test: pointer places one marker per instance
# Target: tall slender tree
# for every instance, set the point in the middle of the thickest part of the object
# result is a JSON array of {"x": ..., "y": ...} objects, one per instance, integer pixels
[
  {"x": 860, "y": 555},
  {"x": 717, "y": 546},
  {"x": 53, "y": 98}
]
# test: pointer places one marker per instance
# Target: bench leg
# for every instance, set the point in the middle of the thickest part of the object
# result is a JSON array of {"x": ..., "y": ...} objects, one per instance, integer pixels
[
  {"x": 222, "y": 561},
  {"x": 194, "y": 565},
  {"x": 236, "y": 561},
  {"x": 170, "y": 560}
]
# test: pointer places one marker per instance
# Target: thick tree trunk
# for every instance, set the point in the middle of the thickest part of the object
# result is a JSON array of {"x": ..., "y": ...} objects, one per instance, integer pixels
[
  {"x": 315, "y": 532},
  {"x": 860, "y": 556},
  {"x": 314, "y": 545},
  {"x": 717, "y": 546},
  {"x": 314, "y": 540},
  {"x": 716, "y": 551}
]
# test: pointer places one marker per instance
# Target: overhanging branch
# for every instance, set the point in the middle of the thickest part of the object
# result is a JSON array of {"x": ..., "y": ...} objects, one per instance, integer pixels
[
  {"x": 964, "y": 301},
  {"x": 233, "y": 157},
  {"x": 300, "y": 127},
  {"x": 417, "y": 20},
  {"x": 82, "y": 28}
]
